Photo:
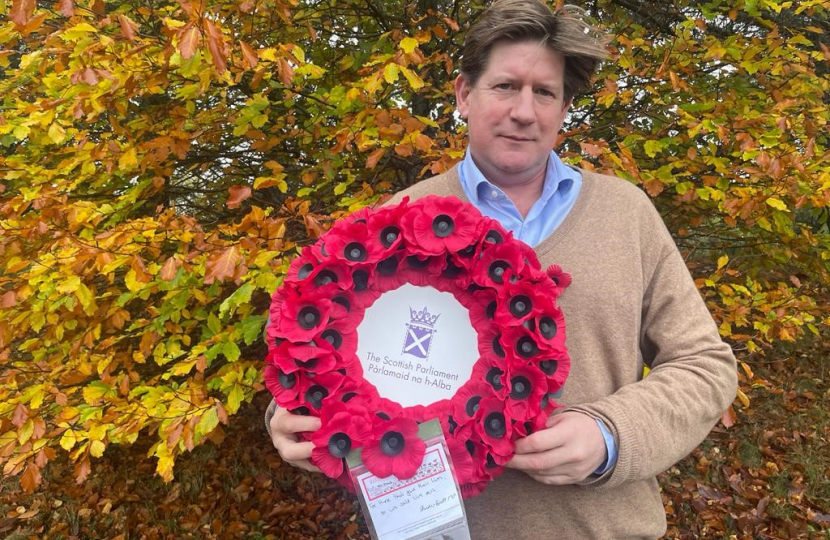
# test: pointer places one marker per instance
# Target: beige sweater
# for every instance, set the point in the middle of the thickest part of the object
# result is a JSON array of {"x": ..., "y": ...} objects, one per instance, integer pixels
[{"x": 632, "y": 301}]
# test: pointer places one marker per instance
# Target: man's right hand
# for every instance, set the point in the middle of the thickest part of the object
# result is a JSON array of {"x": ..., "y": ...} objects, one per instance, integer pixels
[{"x": 284, "y": 427}]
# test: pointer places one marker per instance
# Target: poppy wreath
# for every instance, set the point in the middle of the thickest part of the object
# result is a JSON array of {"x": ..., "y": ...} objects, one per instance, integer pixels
[{"x": 312, "y": 364}]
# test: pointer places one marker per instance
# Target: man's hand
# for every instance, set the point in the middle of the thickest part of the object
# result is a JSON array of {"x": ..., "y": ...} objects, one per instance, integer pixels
[
  {"x": 567, "y": 451},
  {"x": 284, "y": 426}
]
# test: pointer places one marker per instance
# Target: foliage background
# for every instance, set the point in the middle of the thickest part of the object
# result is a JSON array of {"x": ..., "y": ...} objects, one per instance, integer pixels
[{"x": 162, "y": 161}]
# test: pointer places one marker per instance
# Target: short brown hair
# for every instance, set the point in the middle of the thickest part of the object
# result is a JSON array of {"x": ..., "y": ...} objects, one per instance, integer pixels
[{"x": 565, "y": 31}]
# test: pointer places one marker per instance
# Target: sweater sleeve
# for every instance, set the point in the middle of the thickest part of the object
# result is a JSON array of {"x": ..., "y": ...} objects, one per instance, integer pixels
[{"x": 693, "y": 379}]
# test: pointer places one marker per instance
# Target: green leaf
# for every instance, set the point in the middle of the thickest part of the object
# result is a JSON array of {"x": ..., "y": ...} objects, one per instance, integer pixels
[{"x": 231, "y": 351}]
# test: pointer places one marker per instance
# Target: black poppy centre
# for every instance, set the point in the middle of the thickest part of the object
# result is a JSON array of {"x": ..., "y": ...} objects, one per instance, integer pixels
[{"x": 392, "y": 443}]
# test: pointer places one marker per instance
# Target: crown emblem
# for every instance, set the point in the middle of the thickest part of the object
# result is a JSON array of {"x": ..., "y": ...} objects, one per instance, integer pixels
[{"x": 423, "y": 317}]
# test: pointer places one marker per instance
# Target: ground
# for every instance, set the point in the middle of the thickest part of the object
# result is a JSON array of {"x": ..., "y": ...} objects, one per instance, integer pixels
[{"x": 767, "y": 476}]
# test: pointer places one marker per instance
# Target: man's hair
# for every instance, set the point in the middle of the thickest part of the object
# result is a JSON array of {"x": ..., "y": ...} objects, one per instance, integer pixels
[{"x": 565, "y": 31}]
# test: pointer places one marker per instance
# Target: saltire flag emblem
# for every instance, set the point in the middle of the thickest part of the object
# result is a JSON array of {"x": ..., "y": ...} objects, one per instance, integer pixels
[{"x": 419, "y": 333}]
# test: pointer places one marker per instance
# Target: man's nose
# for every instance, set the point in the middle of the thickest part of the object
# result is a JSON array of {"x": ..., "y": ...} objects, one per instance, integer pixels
[{"x": 523, "y": 109}]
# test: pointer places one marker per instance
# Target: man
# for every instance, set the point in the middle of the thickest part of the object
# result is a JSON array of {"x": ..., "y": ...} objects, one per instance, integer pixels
[{"x": 591, "y": 473}]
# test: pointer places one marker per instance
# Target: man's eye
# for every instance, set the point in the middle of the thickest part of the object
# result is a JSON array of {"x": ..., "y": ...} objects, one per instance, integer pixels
[
  {"x": 504, "y": 86},
  {"x": 544, "y": 92}
]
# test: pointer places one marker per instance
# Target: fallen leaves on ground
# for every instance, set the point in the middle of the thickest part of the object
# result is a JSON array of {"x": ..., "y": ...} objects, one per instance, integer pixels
[{"x": 763, "y": 478}]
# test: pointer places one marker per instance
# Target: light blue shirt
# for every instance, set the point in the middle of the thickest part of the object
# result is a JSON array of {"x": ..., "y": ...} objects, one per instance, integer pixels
[{"x": 559, "y": 194}]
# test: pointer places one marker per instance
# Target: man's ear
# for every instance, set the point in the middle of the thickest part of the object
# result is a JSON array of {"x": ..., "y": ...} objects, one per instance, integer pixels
[{"x": 462, "y": 93}]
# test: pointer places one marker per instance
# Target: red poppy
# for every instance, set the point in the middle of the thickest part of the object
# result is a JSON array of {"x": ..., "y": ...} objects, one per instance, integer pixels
[
  {"x": 492, "y": 370},
  {"x": 343, "y": 427},
  {"x": 555, "y": 368},
  {"x": 352, "y": 244},
  {"x": 497, "y": 264},
  {"x": 518, "y": 302},
  {"x": 302, "y": 316},
  {"x": 394, "y": 448},
  {"x": 340, "y": 335},
  {"x": 462, "y": 461},
  {"x": 494, "y": 426},
  {"x": 318, "y": 390},
  {"x": 385, "y": 226},
  {"x": 443, "y": 225},
  {"x": 302, "y": 266},
  {"x": 467, "y": 401},
  {"x": 559, "y": 277},
  {"x": 526, "y": 386},
  {"x": 330, "y": 271}
]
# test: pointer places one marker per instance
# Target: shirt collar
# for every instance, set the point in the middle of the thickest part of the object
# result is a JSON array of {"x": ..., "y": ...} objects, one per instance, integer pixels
[{"x": 558, "y": 177}]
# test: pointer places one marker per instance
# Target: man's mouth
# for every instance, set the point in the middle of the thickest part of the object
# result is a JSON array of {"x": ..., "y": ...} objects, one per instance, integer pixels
[{"x": 517, "y": 138}]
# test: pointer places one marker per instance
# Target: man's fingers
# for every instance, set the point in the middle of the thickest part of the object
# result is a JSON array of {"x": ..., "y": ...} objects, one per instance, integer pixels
[
  {"x": 295, "y": 451},
  {"x": 283, "y": 422},
  {"x": 541, "y": 461},
  {"x": 541, "y": 441}
]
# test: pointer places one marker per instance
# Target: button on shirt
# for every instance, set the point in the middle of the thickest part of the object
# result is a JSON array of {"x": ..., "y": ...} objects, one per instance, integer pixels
[{"x": 559, "y": 194}]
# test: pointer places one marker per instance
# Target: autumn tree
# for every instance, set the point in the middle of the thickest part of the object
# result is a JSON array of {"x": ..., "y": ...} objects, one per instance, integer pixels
[{"x": 163, "y": 161}]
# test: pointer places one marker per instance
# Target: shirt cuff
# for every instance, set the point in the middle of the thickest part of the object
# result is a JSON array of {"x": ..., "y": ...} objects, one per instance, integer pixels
[{"x": 610, "y": 448}]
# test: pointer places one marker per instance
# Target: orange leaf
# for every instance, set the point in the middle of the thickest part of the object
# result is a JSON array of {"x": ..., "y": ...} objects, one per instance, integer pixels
[
  {"x": 451, "y": 23},
  {"x": 99, "y": 7},
  {"x": 591, "y": 149},
  {"x": 30, "y": 479},
  {"x": 313, "y": 226},
  {"x": 21, "y": 11},
  {"x": 237, "y": 195},
  {"x": 422, "y": 142},
  {"x": 20, "y": 415},
  {"x": 729, "y": 417},
  {"x": 82, "y": 470},
  {"x": 249, "y": 55},
  {"x": 286, "y": 72},
  {"x": 66, "y": 8},
  {"x": 374, "y": 157},
  {"x": 188, "y": 40},
  {"x": 654, "y": 187},
  {"x": 128, "y": 27},
  {"x": 216, "y": 45},
  {"x": 222, "y": 265},
  {"x": 8, "y": 300},
  {"x": 168, "y": 270},
  {"x": 404, "y": 150}
]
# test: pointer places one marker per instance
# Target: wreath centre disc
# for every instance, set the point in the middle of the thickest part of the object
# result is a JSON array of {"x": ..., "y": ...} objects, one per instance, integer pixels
[{"x": 417, "y": 345}]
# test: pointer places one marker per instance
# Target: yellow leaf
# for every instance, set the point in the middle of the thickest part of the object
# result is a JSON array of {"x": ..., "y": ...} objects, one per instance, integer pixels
[
  {"x": 25, "y": 433},
  {"x": 298, "y": 53},
  {"x": 68, "y": 440},
  {"x": 85, "y": 297},
  {"x": 128, "y": 160},
  {"x": 96, "y": 448},
  {"x": 408, "y": 44},
  {"x": 722, "y": 261},
  {"x": 56, "y": 133},
  {"x": 131, "y": 282},
  {"x": 269, "y": 54},
  {"x": 390, "y": 72},
  {"x": 69, "y": 285},
  {"x": 414, "y": 80},
  {"x": 743, "y": 398},
  {"x": 778, "y": 204}
]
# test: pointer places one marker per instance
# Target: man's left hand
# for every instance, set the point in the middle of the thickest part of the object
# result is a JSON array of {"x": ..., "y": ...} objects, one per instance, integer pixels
[{"x": 566, "y": 452}]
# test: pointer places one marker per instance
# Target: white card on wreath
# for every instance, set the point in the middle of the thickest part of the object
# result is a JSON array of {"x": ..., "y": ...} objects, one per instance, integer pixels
[
  {"x": 426, "y": 506},
  {"x": 417, "y": 345}
]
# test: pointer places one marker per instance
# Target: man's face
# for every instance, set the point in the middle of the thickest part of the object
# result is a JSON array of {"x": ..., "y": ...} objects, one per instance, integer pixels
[{"x": 515, "y": 111}]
